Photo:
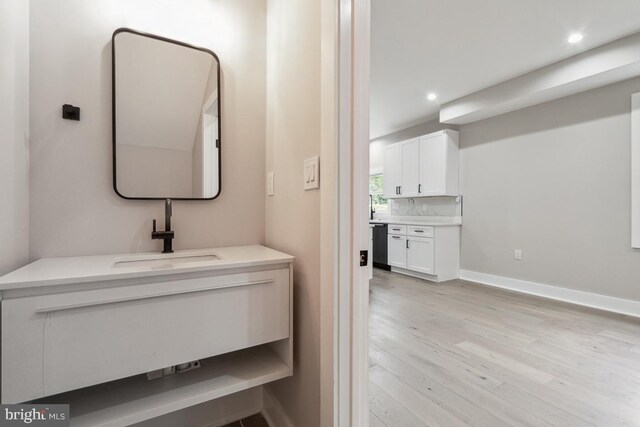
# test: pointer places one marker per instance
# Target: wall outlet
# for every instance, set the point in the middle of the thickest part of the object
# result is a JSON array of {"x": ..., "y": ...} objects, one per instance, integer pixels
[
  {"x": 518, "y": 254},
  {"x": 159, "y": 373},
  {"x": 270, "y": 183},
  {"x": 154, "y": 375},
  {"x": 184, "y": 367}
]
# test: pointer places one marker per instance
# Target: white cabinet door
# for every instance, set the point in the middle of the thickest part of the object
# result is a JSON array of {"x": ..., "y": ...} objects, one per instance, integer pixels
[
  {"x": 439, "y": 164},
  {"x": 397, "y": 251},
  {"x": 392, "y": 177},
  {"x": 420, "y": 255},
  {"x": 410, "y": 168},
  {"x": 432, "y": 165}
]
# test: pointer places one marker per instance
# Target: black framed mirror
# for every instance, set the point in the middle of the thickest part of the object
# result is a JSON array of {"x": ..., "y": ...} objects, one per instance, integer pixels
[{"x": 166, "y": 118}]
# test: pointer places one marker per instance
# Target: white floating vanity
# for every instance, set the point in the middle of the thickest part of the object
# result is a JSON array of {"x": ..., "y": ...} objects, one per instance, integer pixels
[{"x": 86, "y": 330}]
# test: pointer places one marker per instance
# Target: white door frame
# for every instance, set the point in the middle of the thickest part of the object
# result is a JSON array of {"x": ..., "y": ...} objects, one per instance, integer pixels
[{"x": 351, "y": 287}]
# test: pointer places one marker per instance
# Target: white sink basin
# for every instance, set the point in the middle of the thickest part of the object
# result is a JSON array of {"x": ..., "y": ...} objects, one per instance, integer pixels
[{"x": 163, "y": 261}]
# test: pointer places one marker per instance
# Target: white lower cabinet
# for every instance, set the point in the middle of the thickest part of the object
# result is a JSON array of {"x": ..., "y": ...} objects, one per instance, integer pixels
[
  {"x": 428, "y": 252},
  {"x": 397, "y": 251},
  {"x": 420, "y": 255}
]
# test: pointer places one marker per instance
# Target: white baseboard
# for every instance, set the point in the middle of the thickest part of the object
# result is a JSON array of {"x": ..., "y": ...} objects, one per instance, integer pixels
[
  {"x": 587, "y": 299},
  {"x": 273, "y": 412}
]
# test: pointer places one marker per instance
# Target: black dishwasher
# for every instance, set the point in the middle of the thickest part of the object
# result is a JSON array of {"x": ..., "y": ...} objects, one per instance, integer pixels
[{"x": 380, "y": 246}]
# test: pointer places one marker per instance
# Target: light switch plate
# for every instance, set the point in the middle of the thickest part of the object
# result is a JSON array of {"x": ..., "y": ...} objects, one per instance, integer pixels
[
  {"x": 311, "y": 174},
  {"x": 270, "y": 183}
]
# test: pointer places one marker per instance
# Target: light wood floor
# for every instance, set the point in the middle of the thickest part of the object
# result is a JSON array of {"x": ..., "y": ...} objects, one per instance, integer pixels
[{"x": 459, "y": 353}]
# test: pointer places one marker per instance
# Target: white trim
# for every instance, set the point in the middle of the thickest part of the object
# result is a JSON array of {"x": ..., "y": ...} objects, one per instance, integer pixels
[
  {"x": 329, "y": 197},
  {"x": 209, "y": 102},
  {"x": 343, "y": 259},
  {"x": 352, "y": 187},
  {"x": 273, "y": 412},
  {"x": 635, "y": 170},
  {"x": 361, "y": 230},
  {"x": 586, "y": 299}
]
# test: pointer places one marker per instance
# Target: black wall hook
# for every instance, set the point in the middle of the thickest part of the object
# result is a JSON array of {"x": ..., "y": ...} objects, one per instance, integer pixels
[{"x": 70, "y": 112}]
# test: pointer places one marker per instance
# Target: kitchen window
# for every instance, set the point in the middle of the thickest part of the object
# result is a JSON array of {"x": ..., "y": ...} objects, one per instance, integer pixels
[{"x": 380, "y": 204}]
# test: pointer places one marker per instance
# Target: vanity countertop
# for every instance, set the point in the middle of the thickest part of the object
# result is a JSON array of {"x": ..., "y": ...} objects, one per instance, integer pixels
[
  {"x": 416, "y": 222},
  {"x": 93, "y": 268}
]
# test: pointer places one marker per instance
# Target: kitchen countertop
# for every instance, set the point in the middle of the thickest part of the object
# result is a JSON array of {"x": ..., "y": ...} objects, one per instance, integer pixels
[
  {"x": 83, "y": 269},
  {"x": 431, "y": 223}
]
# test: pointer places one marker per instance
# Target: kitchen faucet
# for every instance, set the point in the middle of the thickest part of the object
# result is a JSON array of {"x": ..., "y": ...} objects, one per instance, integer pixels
[
  {"x": 372, "y": 210},
  {"x": 167, "y": 235}
]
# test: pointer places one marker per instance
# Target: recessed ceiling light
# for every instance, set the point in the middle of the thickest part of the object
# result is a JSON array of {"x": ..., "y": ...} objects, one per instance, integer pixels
[
  {"x": 432, "y": 96},
  {"x": 575, "y": 38}
]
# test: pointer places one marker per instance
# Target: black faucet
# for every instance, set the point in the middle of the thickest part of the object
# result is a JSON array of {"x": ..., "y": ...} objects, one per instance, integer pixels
[
  {"x": 168, "y": 234},
  {"x": 371, "y": 205}
]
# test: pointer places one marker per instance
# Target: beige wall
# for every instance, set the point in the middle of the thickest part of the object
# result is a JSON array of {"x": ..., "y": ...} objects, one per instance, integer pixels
[
  {"x": 554, "y": 181},
  {"x": 293, "y": 215},
  {"x": 74, "y": 208},
  {"x": 14, "y": 134}
]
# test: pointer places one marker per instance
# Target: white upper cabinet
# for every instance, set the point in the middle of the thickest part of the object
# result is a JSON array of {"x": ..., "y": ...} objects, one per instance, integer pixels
[
  {"x": 410, "y": 168},
  {"x": 423, "y": 166},
  {"x": 392, "y": 178},
  {"x": 439, "y": 164}
]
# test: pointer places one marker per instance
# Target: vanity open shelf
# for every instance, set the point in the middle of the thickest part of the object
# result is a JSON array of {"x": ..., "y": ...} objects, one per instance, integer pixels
[
  {"x": 135, "y": 399},
  {"x": 87, "y": 330}
]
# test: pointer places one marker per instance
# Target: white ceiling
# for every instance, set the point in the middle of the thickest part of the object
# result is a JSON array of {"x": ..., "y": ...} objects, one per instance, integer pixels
[{"x": 457, "y": 47}]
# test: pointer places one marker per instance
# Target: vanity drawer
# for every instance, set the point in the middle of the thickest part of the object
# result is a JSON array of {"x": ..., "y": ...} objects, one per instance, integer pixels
[
  {"x": 397, "y": 229},
  {"x": 94, "y": 336},
  {"x": 420, "y": 231}
]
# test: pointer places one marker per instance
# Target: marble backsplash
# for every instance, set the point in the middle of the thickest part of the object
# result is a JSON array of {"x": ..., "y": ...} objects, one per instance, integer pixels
[{"x": 427, "y": 206}]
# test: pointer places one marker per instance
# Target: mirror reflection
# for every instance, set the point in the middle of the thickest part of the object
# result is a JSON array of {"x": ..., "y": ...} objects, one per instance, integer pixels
[{"x": 166, "y": 116}]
